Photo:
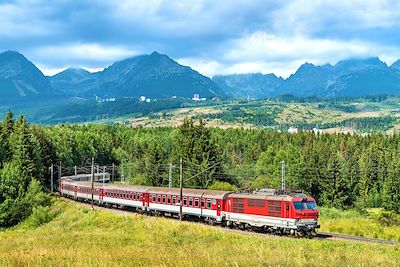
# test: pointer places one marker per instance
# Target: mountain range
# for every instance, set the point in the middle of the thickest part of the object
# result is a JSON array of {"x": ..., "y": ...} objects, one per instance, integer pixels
[
  {"x": 153, "y": 76},
  {"x": 353, "y": 77},
  {"x": 158, "y": 76}
]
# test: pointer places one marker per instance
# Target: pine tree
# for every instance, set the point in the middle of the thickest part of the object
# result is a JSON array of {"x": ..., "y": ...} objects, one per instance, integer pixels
[
  {"x": 6, "y": 130},
  {"x": 22, "y": 149}
]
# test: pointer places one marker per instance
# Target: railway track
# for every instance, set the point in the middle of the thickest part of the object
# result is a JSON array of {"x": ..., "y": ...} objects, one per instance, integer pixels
[
  {"x": 320, "y": 235},
  {"x": 323, "y": 235}
]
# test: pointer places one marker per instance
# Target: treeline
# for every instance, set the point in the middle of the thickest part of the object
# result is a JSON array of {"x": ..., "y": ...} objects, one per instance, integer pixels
[
  {"x": 338, "y": 170},
  {"x": 25, "y": 154}
]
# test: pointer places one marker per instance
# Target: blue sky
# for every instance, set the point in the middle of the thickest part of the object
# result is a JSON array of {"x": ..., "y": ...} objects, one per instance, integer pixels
[{"x": 211, "y": 36}]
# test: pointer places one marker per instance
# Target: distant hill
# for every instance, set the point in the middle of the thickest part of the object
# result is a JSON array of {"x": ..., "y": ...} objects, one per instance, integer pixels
[
  {"x": 72, "y": 81},
  {"x": 253, "y": 85},
  {"x": 21, "y": 80},
  {"x": 154, "y": 76},
  {"x": 354, "y": 77}
]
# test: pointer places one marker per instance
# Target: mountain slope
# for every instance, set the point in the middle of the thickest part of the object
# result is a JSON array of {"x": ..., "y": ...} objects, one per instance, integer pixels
[
  {"x": 73, "y": 81},
  {"x": 255, "y": 85},
  {"x": 155, "y": 76},
  {"x": 20, "y": 79},
  {"x": 353, "y": 77}
]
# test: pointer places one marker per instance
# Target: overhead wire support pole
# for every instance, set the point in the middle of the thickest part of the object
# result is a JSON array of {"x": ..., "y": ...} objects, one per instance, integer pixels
[
  {"x": 52, "y": 177},
  {"x": 170, "y": 175},
  {"x": 92, "y": 181},
  {"x": 181, "y": 189},
  {"x": 283, "y": 182},
  {"x": 59, "y": 177},
  {"x": 112, "y": 173},
  {"x": 104, "y": 174}
]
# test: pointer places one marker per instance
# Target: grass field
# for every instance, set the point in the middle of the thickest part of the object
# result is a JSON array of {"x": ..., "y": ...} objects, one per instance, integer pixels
[
  {"x": 81, "y": 237},
  {"x": 353, "y": 223},
  {"x": 330, "y": 116}
]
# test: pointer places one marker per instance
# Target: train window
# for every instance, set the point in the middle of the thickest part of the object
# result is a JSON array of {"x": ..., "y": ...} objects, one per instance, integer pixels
[
  {"x": 163, "y": 199},
  {"x": 177, "y": 200},
  {"x": 173, "y": 199},
  {"x": 158, "y": 198},
  {"x": 311, "y": 205},
  {"x": 131, "y": 196},
  {"x": 154, "y": 198},
  {"x": 299, "y": 205},
  {"x": 169, "y": 199},
  {"x": 190, "y": 202},
  {"x": 124, "y": 195},
  {"x": 184, "y": 201},
  {"x": 196, "y": 202},
  {"x": 208, "y": 203},
  {"x": 203, "y": 203}
]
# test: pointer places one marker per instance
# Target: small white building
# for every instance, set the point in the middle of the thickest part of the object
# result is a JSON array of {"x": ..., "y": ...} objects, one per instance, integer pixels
[
  {"x": 318, "y": 131},
  {"x": 142, "y": 98},
  {"x": 196, "y": 97},
  {"x": 293, "y": 130}
]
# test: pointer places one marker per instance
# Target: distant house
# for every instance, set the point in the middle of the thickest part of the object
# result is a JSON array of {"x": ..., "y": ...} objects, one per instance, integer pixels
[
  {"x": 293, "y": 130},
  {"x": 142, "y": 98},
  {"x": 196, "y": 97},
  {"x": 318, "y": 131}
]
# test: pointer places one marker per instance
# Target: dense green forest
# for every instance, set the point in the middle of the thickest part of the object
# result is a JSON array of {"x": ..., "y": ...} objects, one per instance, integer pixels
[{"x": 338, "y": 170}]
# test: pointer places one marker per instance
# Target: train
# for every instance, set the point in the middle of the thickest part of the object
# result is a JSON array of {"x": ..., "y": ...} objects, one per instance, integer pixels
[{"x": 274, "y": 211}]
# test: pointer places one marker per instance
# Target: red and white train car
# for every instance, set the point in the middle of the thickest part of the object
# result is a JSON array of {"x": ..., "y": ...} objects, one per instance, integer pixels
[
  {"x": 286, "y": 213},
  {"x": 293, "y": 213}
]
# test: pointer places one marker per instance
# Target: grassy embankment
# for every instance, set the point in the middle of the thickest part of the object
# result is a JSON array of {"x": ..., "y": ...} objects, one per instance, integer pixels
[
  {"x": 373, "y": 223},
  {"x": 80, "y": 237}
]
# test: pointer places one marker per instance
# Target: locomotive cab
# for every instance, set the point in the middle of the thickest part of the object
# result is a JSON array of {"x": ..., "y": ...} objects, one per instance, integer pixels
[{"x": 306, "y": 214}]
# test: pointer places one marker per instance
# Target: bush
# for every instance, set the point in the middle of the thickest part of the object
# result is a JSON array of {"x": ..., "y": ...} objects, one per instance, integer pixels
[
  {"x": 222, "y": 186},
  {"x": 387, "y": 218},
  {"x": 41, "y": 215}
]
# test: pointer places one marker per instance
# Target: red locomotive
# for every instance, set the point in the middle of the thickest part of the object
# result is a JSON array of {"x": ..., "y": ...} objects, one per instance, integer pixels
[{"x": 274, "y": 211}]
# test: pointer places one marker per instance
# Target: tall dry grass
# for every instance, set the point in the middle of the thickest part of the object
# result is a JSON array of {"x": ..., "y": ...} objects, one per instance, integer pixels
[{"x": 81, "y": 237}]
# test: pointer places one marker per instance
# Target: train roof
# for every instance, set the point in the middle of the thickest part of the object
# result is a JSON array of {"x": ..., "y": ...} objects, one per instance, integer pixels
[
  {"x": 127, "y": 187},
  {"x": 261, "y": 196},
  {"x": 189, "y": 192},
  {"x": 156, "y": 190}
]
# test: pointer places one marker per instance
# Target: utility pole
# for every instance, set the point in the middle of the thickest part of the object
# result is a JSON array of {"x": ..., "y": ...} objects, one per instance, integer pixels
[
  {"x": 92, "y": 181},
  {"x": 59, "y": 176},
  {"x": 112, "y": 174},
  {"x": 104, "y": 174},
  {"x": 283, "y": 182},
  {"x": 52, "y": 177},
  {"x": 181, "y": 189},
  {"x": 170, "y": 175}
]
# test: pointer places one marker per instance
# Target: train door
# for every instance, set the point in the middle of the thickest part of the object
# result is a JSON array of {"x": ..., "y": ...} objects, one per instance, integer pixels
[
  {"x": 287, "y": 210},
  {"x": 144, "y": 200},
  {"x": 75, "y": 190}
]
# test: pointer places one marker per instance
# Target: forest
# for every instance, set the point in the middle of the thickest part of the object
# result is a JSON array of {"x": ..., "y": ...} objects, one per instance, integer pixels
[{"x": 339, "y": 170}]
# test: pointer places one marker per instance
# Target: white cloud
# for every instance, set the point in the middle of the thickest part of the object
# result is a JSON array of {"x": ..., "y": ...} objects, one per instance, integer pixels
[
  {"x": 50, "y": 71},
  {"x": 84, "y": 52},
  {"x": 305, "y": 16}
]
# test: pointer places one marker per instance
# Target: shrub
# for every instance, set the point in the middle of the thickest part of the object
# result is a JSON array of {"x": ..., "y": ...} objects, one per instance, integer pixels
[
  {"x": 222, "y": 186},
  {"x": 387, "y": 218}
]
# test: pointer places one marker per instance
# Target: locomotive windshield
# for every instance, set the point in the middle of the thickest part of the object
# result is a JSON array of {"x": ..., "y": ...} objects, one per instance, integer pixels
[
  {"x": 311, "y": 205},
  {"x": 307, "y": 205}
]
